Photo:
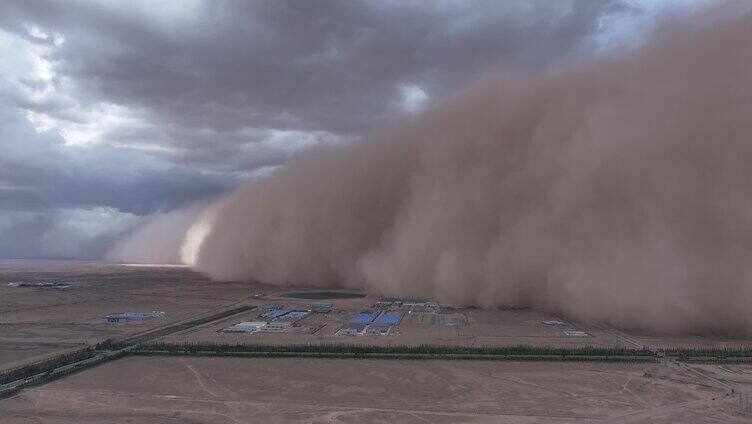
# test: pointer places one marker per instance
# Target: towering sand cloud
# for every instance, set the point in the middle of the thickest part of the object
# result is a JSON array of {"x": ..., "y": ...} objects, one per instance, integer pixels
[
  {"x": 164, "y": 238},
  {"x": 618, "y": 191}
]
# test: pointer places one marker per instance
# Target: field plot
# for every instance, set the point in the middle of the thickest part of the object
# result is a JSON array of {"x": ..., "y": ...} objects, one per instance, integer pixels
[{"x": 237, "y": 390}]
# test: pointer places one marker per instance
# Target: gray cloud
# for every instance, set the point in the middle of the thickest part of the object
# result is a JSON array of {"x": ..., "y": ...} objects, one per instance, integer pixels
[
  {"x": 56, "y": 234},
  {"x": 333, "y": 66},
  {"x": 38, "y": 173},
  {"x": 57, "y": 201},
  {"x": 136, "y": 109}
]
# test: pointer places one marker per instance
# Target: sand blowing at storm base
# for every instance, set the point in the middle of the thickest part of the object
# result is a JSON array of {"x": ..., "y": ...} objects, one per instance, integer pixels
[{"x": 617, "y": 191}]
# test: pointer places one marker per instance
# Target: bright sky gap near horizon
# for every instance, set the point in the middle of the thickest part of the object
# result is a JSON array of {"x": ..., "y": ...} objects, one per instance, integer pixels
[{"x": 112, "y": 113}]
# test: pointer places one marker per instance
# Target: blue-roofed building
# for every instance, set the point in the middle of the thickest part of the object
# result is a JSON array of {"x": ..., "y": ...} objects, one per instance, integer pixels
[
  {"x": 363, "y": 317},
  {"x": 389, "y": 318},
  {"x": 133, "y": 316},
  {"x": 274, "y": 313},
  {"x": 296, "y": 314}
]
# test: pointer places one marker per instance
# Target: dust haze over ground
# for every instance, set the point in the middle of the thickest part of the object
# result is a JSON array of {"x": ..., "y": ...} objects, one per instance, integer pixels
[
  {"x": 617, "y": 190},
  {"x": 159, "y": 240}
]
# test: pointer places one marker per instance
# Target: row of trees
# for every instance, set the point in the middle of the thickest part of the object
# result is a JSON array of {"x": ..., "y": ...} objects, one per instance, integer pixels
[
  {"x": 355, "y": 349},
  {"x": 45, "y": 366},
  {"x": 10, "y": 392},
  {"x": 54, "y": 373},
  {"x": 707, "y": 352},
  {"x": 196, "y": 347}
]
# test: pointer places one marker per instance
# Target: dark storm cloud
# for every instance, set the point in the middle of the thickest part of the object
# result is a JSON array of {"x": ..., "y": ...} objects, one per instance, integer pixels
[
  {"x": 51, "y": 234},
  {"x": 38, "y": 173},
  {"x": 68, "y": 202},
  {"x": 334, "y": 66},
  {"x": 147, "y": 107}
]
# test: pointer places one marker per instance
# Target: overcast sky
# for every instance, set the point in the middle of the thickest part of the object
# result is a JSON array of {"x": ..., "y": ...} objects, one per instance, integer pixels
[{"x": 112, "y": 112}]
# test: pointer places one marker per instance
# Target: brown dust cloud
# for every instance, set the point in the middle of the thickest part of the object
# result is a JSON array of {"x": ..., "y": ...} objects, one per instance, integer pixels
[{"x": 617, "y": 190}]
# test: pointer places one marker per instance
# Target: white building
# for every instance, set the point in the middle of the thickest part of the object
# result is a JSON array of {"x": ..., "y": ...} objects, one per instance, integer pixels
[
  {"x": 133, "y": 316},
  {"x": 245, "y": 327},
  {"x": 351, "y": 330}
]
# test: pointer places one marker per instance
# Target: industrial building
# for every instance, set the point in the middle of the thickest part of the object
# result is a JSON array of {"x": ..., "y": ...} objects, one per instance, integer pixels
[
  {"x": 363, "y": 317},
  {"x": 287, "y": 316},
  {"x": 276, "y": 326},
  {"x": 388, "y": 318},
  {"x": 132, "y": 316},
  {"x": 351, "y": 330},
  {"x": 41, "y": 285},
  {"x": 295, "y": 315},
  {"x": 427, "y": 306},
  {"x": 245, "y": 327},
  {"x": 274, "y": 313},
  {"x": 377, "y": 330}
]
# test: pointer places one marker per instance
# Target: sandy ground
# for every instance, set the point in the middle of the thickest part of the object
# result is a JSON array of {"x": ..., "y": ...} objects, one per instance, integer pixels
[
  {"x": 36, "y": 323},
  {"x": 240, "y": 390},
  {"x": 485, "y": 327}
]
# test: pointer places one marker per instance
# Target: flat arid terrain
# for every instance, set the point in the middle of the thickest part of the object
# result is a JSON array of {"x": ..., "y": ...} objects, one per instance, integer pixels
[
  {"x": 41, "y": 322},
  {"x": 38, "y": 322},
  {"x": 239, "y": 390}
]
